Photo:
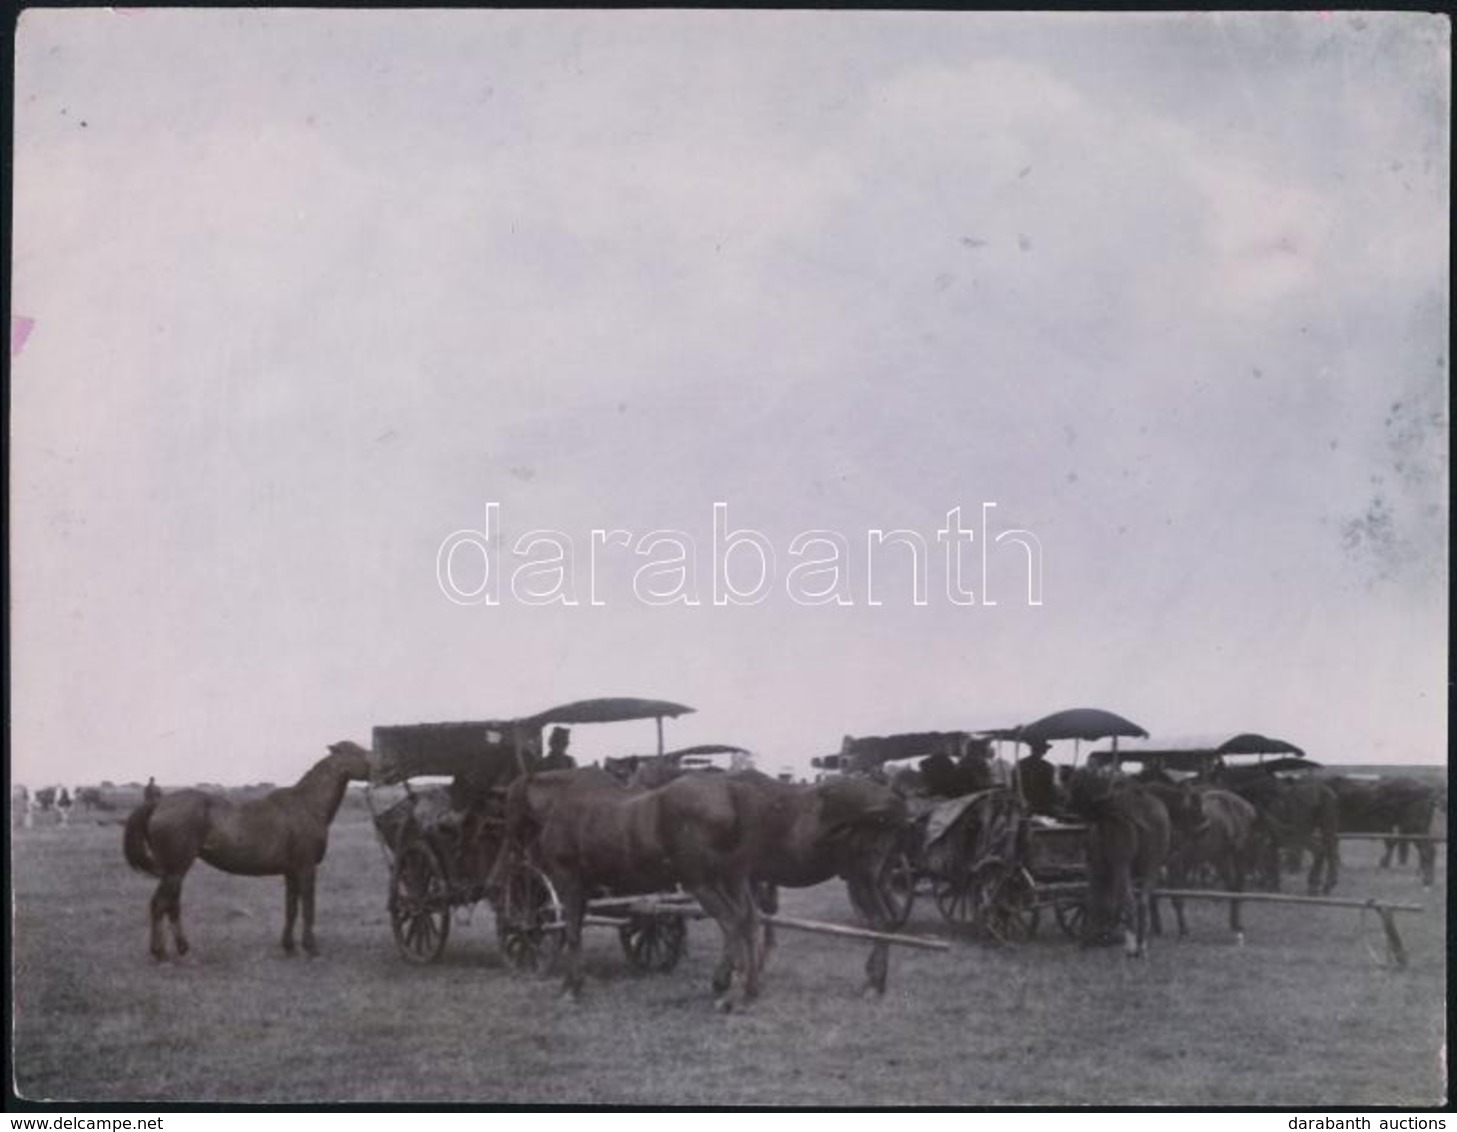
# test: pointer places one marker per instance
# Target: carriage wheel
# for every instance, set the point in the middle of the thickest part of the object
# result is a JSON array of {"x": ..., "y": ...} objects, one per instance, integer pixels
[
  {"x": 897, "y": 884},
  {"x": 1011, "y": 916},
  {"x": 654, "y": 943},
  {"x": 1072, "y": 917},
  {"x": 419, "y": 904},
  {"x": 955, "y": 899},
  {"x": 529, "y": 920}
]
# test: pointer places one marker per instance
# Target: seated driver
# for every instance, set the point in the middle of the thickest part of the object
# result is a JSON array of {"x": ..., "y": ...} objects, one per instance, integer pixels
[{"x": 1038, "y": 779}]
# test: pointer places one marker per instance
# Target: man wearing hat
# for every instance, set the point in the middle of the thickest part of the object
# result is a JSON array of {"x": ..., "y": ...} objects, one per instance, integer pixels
[
  {"x": 1038, "y": 779},
  {"x": 556, "y": 751}
]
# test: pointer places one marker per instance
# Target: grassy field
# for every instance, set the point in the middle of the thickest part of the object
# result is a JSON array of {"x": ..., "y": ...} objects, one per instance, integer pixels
[{"x": 1301, "y": 1015}]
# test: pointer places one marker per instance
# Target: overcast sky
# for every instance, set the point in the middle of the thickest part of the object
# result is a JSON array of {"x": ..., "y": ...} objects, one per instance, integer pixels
[{"x": 298, "y": 294}]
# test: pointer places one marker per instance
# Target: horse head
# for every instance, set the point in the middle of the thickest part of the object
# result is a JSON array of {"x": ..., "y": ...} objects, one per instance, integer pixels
[
  {"x": 1089, "y": 791},
  {"x": 352, "y": 759}
]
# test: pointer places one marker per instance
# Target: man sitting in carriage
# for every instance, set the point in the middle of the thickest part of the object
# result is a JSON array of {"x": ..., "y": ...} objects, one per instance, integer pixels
[{"x": 1038, "y": 779}]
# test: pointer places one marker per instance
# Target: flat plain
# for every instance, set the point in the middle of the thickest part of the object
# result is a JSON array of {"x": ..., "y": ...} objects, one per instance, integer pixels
[{"x": 1304, "y": 1014}]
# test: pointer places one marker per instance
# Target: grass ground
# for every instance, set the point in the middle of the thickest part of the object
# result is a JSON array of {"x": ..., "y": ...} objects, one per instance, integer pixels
[{"x": 1302, "y": 1015}]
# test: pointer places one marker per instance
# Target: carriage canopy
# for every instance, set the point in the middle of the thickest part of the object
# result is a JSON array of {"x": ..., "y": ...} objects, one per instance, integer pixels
[
  {"x": 1086, "y": 724},
  {"x": 612, "y": 709},
  {"x": 871, "y": 751},
  {"x": 1200, "y": 754},
  {"x": 494, "y": 751},
  {"x": 452, "y": 749}
]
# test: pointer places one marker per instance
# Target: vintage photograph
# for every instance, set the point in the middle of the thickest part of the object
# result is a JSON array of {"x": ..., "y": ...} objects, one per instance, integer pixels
[{"x": 677, "y": 558}]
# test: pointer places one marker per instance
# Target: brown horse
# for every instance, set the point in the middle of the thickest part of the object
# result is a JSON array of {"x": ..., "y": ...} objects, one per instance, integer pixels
[
  {"x": 1210, "y": 829},
  {"x": 1390, "y": 804},
  {"x": 847, "y": 827},
  {"x": 1303, "y": 814},
  {"x": 804, "y": 835},
  {"x": 587, "y": 832},
  {"x": 1128, "y": 844},
  {"x": 282, "y": 834}
]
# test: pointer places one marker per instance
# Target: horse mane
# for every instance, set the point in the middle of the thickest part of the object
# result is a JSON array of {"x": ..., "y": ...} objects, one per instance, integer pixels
[{"x": 328, "y": 778}]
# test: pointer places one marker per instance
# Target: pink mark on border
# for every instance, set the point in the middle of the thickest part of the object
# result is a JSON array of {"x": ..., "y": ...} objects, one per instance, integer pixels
[{"x": 20, "y": 328}]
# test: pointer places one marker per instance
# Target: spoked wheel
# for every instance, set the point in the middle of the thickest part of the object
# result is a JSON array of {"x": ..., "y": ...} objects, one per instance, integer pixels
[
  {"x": 529, "y": 920},
  {"x": 419, "y": 903},
  {"x": 1072, "y": 917},
  {"x": 654, "y": 943},
  {"x": 956, "y": 899},
  {"x": 897, "y": 884},
  {"x": 1010, "y": 914}
]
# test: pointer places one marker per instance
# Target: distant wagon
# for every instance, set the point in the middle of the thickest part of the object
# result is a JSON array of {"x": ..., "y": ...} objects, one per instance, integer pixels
[{"x": 983, "y": 855}]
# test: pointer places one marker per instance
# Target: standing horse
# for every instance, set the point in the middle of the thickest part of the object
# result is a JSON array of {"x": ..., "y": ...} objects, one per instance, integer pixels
[
  {"x": 1303, "y": 814},
  {"x": 1391, "y": 804},
  {"x": 1210, "y": 829},
  {"x": 1128, "y": 845},
  {"x": 587, "y": 831},
  {"x": 804, "y": 835},
  {"x": 284, "y": 833}
]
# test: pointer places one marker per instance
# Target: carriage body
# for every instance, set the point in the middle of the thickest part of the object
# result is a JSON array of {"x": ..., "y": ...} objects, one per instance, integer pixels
[
  {"x": 437, "y": 796},
  {"x": 438, "y": 800},
  {"x": 982, "y": 855},
  {"x": 991, "y": 864}
]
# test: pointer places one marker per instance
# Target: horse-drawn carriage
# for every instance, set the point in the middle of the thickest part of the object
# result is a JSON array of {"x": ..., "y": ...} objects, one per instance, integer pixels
[
  {"x": 437, "y": 794},
  {"x": 986, "y": 857}
]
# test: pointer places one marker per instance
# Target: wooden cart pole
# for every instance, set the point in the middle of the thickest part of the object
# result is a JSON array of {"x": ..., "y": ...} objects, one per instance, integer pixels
[
  {"x": 1386, "y": 911},
  {"x": 819, "y": 928},
  {"x": 1393, "y": 937}
]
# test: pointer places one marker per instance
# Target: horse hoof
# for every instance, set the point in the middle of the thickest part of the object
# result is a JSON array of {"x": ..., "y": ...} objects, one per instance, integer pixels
[
  {"x": 1239, "y": 939},
  {"x": 183, "y": 947},
  {"x": 724, "y": 1005}
]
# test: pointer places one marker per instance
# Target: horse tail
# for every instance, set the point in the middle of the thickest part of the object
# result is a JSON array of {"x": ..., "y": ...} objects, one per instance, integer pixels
[{"x": 134, "y": 843}]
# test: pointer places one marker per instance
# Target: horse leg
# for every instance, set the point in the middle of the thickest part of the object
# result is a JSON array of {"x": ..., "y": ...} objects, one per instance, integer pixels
[
  {"x": 1234, "y": 881},
  {"x": 290, "y": 910},
  {"x": 1179, "y": 873},
  {"x": 748, "y": 929},
  {"x": 574, "y": 909},
  {"x": 768, "y": 897},
  {"x": 306, "y": 898},
  {"x": 1143, "y": 914},
  {"x": 1153, "y": 913},
  {"x": 1390, "y": 848},
  {"x": 174, "y": 914},
  {"x": 1155, "y": 917},
  {"x": 1427, "y": 858},
  {"x": 166, "y": 904},
  {"x": 157, "y": 911},
  {"x": 1332, "y": 862},
  {"x": 867, "y": 896},
  {"x": 1124, "y": 913},
  {"x": 712, "y": 901}
]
